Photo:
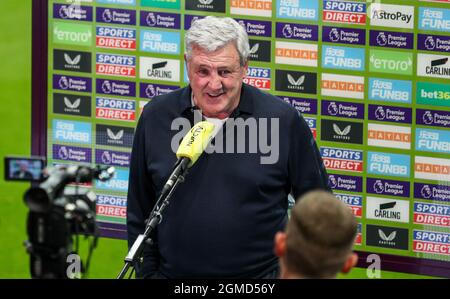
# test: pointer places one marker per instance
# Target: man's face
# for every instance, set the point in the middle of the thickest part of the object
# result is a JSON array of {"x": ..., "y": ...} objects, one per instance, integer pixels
[{"x": 216, "y": 80}]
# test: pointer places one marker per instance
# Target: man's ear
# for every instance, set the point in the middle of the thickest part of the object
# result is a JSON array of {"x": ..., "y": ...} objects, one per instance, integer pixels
[
  {"x": 245, "y": 70},
  {"x": 280, "y": 244},
  {"x": 351, "y": 261}
]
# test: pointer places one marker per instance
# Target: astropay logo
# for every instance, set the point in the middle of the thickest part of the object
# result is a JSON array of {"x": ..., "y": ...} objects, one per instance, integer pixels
[
  {"x": 159, "y": 69},
  {"x": 388, "y": 15}
]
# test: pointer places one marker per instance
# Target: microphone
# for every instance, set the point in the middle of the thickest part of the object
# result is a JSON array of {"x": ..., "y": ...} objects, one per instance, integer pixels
[{"x": 190, "y": 149}]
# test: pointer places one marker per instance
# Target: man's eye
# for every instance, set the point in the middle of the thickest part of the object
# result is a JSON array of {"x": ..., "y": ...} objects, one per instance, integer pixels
[
  {"x": 203, "y": 72},
  {"x": 224, "y": 72}
]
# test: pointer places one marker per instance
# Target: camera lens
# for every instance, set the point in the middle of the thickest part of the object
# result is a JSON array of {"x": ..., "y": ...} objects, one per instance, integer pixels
[{"x": 37, "y": 200}]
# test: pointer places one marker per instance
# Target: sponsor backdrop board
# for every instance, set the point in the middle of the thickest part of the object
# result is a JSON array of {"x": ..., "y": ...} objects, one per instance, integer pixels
[{"x": 372, "y": 79}]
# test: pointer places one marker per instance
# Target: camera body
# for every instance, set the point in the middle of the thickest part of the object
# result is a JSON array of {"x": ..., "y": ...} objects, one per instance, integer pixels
[{"x": 57, "y": 213}]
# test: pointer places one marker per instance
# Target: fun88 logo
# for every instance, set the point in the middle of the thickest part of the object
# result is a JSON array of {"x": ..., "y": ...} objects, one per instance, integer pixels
[
  {"x": 164, "y": 42},
  {"x": 116, "y": 65}
]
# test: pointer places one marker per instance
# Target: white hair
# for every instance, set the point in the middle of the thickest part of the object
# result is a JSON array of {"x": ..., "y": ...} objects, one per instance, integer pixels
[{"x": 212, "y": 33}]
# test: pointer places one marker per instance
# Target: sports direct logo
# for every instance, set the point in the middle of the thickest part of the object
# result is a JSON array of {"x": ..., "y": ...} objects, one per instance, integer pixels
[
  {"x": 354, "y": 202},
  {"x": 312, "y": 124},
  {"x": 343, "y": 86},
  {"x": 345, "y": 182},
  {"x": 115, "y": 109},
  {"x": 111, "y": 208},
  {"x": 388, "y": 15},
  {"x": 428, "y": 168},
  {"x": 296, "y": 53},
  {"x": 344, "y": 12},
  {"x": 116, "y": 38},
  {"x": 431, "y": 214},
  {"x": 116, "y": 65},
  {"x": 342, "y": 159},
  {"x": 389, "y": 136},
  {"x": 261, "y": 8},
  {"x": 258, "y": 77},
  {"x": 431, "y": 242}
]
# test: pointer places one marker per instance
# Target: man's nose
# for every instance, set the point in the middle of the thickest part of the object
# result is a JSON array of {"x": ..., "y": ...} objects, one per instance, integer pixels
[{"x": 215, "y": 82}]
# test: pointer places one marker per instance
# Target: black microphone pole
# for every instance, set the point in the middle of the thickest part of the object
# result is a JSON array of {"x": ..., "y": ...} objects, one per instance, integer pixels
[{"x": 155, "y": 217}]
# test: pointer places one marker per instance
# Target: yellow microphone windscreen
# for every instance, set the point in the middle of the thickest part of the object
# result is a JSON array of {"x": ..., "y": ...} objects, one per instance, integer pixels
[{"x": 195, "y": 141}]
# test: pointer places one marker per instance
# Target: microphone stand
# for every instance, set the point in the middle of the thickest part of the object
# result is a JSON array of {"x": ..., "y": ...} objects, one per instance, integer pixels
[{"x": 135, "y": 253}]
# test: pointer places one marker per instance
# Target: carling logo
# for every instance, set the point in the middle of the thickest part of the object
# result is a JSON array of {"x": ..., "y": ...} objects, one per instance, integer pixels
[
  {"x": 387, "y": 187},
  {"x": 256, "y": 28},
  {"x": 389, "y": 136},
  {"x": 111, "y": 208},
  {"x": 298, "y": 10},
  {"x": 343, "y": 109},
  {"x": 71, "y": 83},
  {"x": 261, "y": 8},
  {"x": 342, "y": 131},
  {"x": 115, "y": 109},
  {"x": 431, "y": 214},
  {"x": 160, "y": 20},
  {"x": 297, "y": 31},
  {"x": 428, "y": 168},
  {"x": 72, "y": 61},
  {"x": 72, "y": 34},
  {"x": 160, "y": 41},
  {"x": 151, "y": 90},
  {"x": 387, "y": 237},
  {"x": 116, "y": 38},
  {"x": 432, "y": 192},
  {"x": 388, "y": 164},
  {"x": 72, "y": 12},
  {"x": 71, "y": 153},
  {"x": 116, "y": 65},
  {"x": 434, "y": 19},
  {"x": 435, "y": 43},
  {"x": 431, "y": 242},
  {"x": 71, "y": 131},
  {"x": 342, "y": 159},
  {"x": 344, "y": 12},
  {"x": 351, "y": 36},
  {"x": 354, "y": 202},
  {"x": 304, "y": 106},
  {"x": 258, "y": 77},
  {"x": 343, "y": 86},
  {"x": 114, "y": 135},
  {"x": 345, "y": 182},
  {"x": 293, "y": 81},
  {"x": 118, "y": 88},
  {"x": 437, "y": 118},
  {"x": 260, "y": 50},
  {"x": 390, "y": 39},
  {"x": 433, "y": 94},
  {"x": 119, "y": 182},
  {"x": 295, "y": 53},
  {"x": 206, "y": 5},
  {"x": 115, "y": 16},
  {"x": 436, "y": 66},
  {"x": 159, "y": 69},
  {"x": 113, "y": 158},
  {"x": 390, "y": 114},
  {"x": 436, "y": 141},
  {"x": 391, "y": 62},
  {"x": 170, "y": 4},
  {"x": 343, "y": 58},
  {"x": 71, "y": 104},
  {"x": 388, "y": 15},
  {"x": 389, "y": 90},
  {"x": 387, "y": 209}
]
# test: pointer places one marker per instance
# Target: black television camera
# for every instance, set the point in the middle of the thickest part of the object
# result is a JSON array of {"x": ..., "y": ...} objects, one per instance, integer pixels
[{"x": 57, "y": 215}]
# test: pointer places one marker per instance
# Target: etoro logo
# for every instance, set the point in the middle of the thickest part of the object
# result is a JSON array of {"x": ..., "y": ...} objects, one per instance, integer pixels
[
  {"x": 391, "y": 62},
  {"x": 72, "y": 34},
  {"x": 388, "y": 15}
]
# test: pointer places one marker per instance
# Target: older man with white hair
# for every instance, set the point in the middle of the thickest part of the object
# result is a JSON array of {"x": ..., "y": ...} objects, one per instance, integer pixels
[{"x": 221, "y": 221}]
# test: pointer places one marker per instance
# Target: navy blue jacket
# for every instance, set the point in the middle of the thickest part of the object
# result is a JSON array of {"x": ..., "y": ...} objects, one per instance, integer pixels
[{"x": 222, "y": 220}]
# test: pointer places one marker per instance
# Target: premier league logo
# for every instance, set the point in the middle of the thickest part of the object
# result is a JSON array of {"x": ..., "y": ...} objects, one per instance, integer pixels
[
  {"x": 151, "y": 19},
  {"x": 427, "y": 118},
  {"x": 378, "y": 187},
  {"x": 333, "y": 109},
  {"x": 334, "y": 35},
  {"x": 287, "y": 31},
  {"x": 63, "y": 153},
  {"x": 107, "y": 16},
  {"x": 106, "y": 87},
  {"x": 430, "y": 44},
  {"x": 426, "y": 191},
  {"x": 106, "y": 157},
  {"x": 150, "y": 91},
  {"x": 63, "y": 82},
  {"x": 382, "y": 39},
  {"x": 332, "y": 182},
  {"x": 380, "y": 114}
]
